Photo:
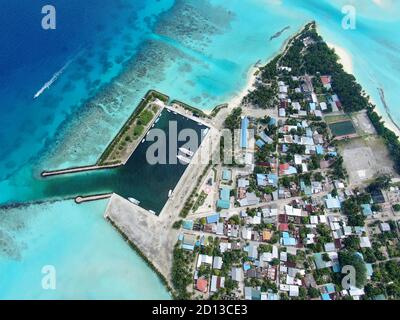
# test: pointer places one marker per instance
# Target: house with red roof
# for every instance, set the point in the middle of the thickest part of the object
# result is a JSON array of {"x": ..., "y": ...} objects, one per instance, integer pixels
[{"x": 202, "y": 285}]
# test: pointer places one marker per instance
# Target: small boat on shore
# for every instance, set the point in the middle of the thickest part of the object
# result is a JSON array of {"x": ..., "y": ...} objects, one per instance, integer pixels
[
  {"x": 205, "y": 131},
  {"x": 168, "y": 110},
  {"x": 152, "y": 212},
  {"x": 170, "y": 194},
  {"x": 134, "y": 201},
  {"x": 143, "y": 140}
]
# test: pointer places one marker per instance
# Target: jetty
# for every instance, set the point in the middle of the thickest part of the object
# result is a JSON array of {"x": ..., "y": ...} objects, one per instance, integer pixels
[
  {"x": 46, "y": 174},
  {"x": 81, "y": 199}
]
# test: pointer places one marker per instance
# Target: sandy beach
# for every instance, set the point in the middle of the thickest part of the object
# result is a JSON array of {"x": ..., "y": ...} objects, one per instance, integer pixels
[
  {"x": 345, "y": 57},
  {"x": 347, "y": 61}
]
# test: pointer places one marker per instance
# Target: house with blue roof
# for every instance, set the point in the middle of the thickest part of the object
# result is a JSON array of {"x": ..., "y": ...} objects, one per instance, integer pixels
[
  {"x": 366, "y": 210},
  {"x": 224, "y": 199},
  {"x": 267, "y": 139},
  {"x": 332, "y": 202},
  {"x": 244, "y": 133},
  {"x": 212, "y": 219},
  {"x": 264, "y": 180},
  {"x": 370, "y": 270},
  {"x": 226, "y": 175},
  {"x": 325, "y": 297},
  {"x": 305, "y": 188},
  {"x": 260, "y": 143},
  {"x": 330, "y": 288},
  {"x": 187, "y": 224},
  {"x": 288, "y": 240},
  {"x": 319, "y": 149},
  {"x": 320, "y": 263}
]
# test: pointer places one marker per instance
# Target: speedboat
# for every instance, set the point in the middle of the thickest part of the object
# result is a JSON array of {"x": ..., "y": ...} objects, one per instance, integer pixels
[
  {"x": 184, "y": 159},
  {"x": 134, "y": 201},
  {"x": 186, "y": 152}
]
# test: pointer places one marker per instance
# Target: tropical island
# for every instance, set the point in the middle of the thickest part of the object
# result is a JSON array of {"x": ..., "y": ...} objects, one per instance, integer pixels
[
  {"x": 322, "y": 192},
  {"x": 315, "y": 190}
]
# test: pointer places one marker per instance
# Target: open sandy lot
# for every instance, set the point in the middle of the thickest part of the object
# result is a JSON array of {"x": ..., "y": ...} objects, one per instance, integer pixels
[{"x": 366, "y": 158}]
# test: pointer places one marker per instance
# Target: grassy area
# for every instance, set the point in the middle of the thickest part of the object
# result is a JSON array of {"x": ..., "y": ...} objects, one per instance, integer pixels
[
  {"x": 133, "y": 130},
  {"x": 200, "y": 201}
]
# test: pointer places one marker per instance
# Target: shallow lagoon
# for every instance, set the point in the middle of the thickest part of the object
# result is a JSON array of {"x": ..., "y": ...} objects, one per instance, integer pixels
[
  {"x": 204, "y": 67},
  {"x": 91, "y": 259}
]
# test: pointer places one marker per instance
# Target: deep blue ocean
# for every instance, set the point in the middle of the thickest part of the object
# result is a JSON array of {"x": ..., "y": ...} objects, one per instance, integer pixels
[{"x": 107, "y": 55}]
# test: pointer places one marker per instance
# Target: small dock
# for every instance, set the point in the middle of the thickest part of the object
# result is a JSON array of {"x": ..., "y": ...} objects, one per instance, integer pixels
[
  {"x": 81, "y": 199},
  {"x": 46, "y": 174}
]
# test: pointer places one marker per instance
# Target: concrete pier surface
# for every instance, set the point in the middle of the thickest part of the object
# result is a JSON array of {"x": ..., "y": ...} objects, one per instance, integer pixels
[
  {"x": 81, "y": 199},
  {"x": 152, "y": 235},
  {"x": 46, "y": 174}
]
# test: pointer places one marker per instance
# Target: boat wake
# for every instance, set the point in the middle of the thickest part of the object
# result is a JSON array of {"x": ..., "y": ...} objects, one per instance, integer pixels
[{"x": 48, "y": 84}]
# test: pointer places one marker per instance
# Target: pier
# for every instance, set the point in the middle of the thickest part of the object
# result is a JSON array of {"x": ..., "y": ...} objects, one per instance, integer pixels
[
  {"x": 82, "y": 199},
  {"x": 46, "y": 174}
]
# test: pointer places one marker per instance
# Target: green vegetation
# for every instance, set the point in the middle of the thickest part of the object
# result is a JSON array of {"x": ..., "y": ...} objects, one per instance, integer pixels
[
  {"x": 182, "y": 272},
  {"x": 388, "y": 135},
  {"x": 132, "y": 129},
  {"x": 351, "y": 208},
  {"x": 177, "y": 224},
  {"x": 232, "y": 121},
  {"x": 189, "y": 203},
  {"x": 386, "y": 279},
  {"x": 350, "y": 258}
]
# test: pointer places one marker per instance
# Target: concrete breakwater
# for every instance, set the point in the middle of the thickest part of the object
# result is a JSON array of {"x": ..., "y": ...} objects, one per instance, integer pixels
[{"x": 46, "y": 174}]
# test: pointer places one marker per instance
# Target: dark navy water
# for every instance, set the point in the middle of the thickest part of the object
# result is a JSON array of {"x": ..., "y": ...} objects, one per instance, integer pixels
[{"x": 148, "y": 183}]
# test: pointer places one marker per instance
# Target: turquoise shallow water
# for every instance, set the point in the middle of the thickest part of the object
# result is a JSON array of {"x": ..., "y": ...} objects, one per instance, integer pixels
[
  {"x": 197, "y": 51},
  {"x": 90, "y": 258}
]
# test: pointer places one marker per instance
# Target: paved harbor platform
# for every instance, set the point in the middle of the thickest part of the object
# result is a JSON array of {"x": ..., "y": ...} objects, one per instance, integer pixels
[{"x": 153, "y": 236}]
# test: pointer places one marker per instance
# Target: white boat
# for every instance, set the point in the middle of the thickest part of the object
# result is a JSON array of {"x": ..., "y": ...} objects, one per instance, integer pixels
[
  {"x": 158, "y": 119},
  {"x": 186, "y": 152},
  {"x": 169, "y": 193},
  {"x": 168, "y": 110},
  {"x": 143, "y": 140},
  {"x": 184, "y": 159},
  {"x": 134, "y": 201},
  {"x": 152, "y": 212},
  {"x": 175, "y": 112},
  {"x": 205, "y": 131}
]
